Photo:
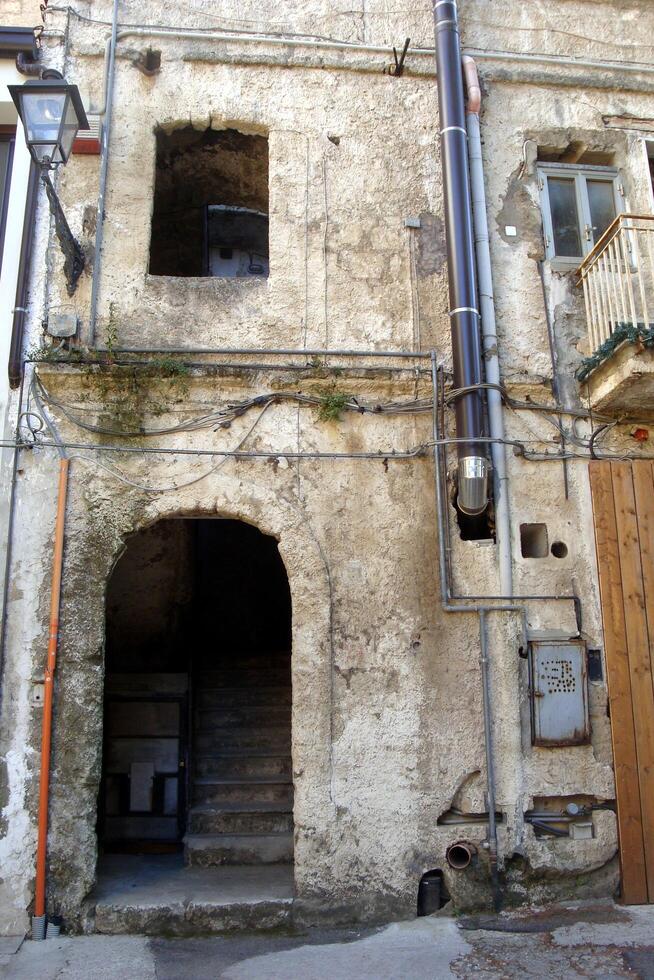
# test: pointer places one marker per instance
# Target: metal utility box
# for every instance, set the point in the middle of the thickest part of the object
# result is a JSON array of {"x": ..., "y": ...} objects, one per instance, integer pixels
[{"x": 558, "y": 691}]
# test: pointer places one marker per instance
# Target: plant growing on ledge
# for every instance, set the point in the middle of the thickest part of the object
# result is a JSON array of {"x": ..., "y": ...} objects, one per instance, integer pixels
[
  {"x": 130, "y": 391},
  {"x": 332, "y": 405}
]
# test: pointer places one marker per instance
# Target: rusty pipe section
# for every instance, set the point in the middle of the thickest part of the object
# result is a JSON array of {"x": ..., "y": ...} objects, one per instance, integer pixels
[
  {"x": 464, "y": 309},
  {"x": 460, "y": 854},
  {"x": 38, "y": 919}
]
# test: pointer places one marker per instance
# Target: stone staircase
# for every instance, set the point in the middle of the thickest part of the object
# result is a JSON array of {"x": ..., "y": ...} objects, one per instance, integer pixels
[{"x": 241, "y": 806}]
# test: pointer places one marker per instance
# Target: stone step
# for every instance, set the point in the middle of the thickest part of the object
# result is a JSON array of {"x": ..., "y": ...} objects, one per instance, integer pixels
[
  {"x": 267, "y": 715},
  {"x": 235, "y": 697},
  {"x": 252, "y": 790},
  {"x": 276, "y": 739},
  {"x": 152, "y": 898},
  {"x": 243, "y": 765},
  {"x": 247, "y": 677},
  {"x": 244, "y": 659},
  {"x": 240, "y": 818},
  {"x": 207, "y": 850}
]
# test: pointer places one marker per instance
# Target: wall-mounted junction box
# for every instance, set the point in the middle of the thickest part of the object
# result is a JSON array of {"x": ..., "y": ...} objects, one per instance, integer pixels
[
  {"x": 558, "y": 692},
  {"x": 62, "y": 324},
  {"x": 38, "y": 694}
]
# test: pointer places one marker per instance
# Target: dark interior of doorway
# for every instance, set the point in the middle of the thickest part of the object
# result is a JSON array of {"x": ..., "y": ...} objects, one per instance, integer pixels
[{"x": 197, "y": 706}]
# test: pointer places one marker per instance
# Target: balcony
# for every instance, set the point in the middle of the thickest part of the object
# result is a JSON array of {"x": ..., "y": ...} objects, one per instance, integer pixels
[{"x": 618, "y": 283}]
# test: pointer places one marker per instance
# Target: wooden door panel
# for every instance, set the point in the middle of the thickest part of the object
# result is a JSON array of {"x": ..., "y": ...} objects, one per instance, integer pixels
[{"x": 623, "y": 732}]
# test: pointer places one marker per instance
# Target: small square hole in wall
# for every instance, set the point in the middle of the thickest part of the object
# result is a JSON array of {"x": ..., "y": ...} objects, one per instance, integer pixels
[{"x": 533, "y": 541}]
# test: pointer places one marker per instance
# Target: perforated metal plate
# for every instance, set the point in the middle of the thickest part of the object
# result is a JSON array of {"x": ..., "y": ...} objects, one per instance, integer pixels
[{"x": 558, "y": 692}]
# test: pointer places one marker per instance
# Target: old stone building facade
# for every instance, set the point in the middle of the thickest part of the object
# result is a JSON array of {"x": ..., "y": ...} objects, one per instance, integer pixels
[{"x": 269, "y": 646}]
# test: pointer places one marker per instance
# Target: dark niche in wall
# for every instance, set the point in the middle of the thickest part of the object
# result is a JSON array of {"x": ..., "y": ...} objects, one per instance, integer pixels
[{"x": 210, "y": 215}]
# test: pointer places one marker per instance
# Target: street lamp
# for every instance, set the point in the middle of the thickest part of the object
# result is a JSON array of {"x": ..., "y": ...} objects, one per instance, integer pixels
[{"x": 51, "y": 111}]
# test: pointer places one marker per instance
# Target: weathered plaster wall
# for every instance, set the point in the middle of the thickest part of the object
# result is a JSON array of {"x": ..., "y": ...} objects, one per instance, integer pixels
[
  {"x": 387, "y": 712},
  {"x": 20, "y": 13}
]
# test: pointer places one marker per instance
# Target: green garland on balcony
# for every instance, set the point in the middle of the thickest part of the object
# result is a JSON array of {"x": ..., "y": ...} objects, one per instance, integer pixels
[{"x": 640, "y": 334}]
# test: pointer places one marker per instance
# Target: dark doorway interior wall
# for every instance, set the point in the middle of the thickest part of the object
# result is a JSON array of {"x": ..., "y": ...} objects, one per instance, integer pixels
[{"x": 198, "y": 693}]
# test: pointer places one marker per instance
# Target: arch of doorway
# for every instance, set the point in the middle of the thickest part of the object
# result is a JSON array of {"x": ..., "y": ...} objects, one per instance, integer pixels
[{"x": 94, "y": 546}]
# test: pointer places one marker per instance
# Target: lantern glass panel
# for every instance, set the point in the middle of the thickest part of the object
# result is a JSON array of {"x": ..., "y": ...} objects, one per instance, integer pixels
[
  {"x": 42, "y": 114},
  {"x": 68, "y": 129}
]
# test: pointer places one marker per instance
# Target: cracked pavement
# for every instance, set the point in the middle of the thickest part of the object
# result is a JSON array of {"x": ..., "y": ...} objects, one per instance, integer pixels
[{"x": 572, "y": 940}]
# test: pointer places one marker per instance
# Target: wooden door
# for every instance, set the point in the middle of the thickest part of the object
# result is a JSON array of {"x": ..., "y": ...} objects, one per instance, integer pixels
[{"x": 623, "y": 508}]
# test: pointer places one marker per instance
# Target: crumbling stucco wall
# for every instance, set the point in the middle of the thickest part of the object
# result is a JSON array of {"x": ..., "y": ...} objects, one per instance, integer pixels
[{"x": 386, "y": 705}]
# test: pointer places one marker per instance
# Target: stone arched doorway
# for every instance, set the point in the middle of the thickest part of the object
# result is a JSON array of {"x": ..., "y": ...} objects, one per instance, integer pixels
[{"x": 197, "y": 713}]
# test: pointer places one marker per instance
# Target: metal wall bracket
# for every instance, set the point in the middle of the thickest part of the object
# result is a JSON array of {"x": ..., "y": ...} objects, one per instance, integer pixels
[{"x": 74, "y": 260}]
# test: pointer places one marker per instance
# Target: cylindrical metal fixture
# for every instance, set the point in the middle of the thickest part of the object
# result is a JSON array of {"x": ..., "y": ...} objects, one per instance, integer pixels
[
  {"x": 464, "y": 309},
  {"x": 459, "y": 855}
]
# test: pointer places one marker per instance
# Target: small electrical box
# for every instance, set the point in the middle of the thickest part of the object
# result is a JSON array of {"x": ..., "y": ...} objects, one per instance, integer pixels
[
  {"x": 581, "y": 831},
  {"x": 62, "y": 324},
  {"x": 558, "y": 691}
]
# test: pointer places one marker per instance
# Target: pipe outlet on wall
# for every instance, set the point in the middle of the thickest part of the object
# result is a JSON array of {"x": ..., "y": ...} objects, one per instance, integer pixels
[{"x": 472, "y": 496}]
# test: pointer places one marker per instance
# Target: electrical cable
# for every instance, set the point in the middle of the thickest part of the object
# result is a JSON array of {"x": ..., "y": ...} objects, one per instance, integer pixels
[
  {"x": 223, "y": 418},
  {"x": 178, "y": 486}
]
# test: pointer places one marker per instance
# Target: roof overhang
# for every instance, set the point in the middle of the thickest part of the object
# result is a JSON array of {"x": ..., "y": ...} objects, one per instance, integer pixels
[{"x": 17, "y": 40}]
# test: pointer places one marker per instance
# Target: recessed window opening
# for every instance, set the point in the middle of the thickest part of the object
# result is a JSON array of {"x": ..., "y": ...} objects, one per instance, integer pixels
[
  {"x": 210, "y": 215},
  {"x": 575, "y": 152},
  {"x": 533, "y": 540},
  {"x": 578, "y": 204}
]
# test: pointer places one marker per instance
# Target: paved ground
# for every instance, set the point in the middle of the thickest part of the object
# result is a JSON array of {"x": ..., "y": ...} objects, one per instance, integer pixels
[{"x": 586, "y": 940}]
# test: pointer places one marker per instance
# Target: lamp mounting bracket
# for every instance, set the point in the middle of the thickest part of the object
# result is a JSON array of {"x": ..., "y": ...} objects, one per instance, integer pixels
[{"x": 74, "y": 260}]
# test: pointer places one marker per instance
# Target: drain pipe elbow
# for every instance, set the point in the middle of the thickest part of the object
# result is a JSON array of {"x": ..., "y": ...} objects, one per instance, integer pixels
[
  {"x": 473, "y": 87},
  {"x": 28, "y": 65}
]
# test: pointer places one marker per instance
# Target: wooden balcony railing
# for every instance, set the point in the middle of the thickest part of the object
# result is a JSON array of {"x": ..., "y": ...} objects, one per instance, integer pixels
[{"x": 618, "y": 280}]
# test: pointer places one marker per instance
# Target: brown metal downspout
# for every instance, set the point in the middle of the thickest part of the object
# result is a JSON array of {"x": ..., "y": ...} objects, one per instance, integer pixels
[
  {"x": 38, "y": 926},
  {"x": 15, "y": 367},
  {"x": 472, "y": 495}
]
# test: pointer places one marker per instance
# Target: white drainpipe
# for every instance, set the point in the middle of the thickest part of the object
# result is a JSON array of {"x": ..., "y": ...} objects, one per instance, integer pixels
[{"x": 488, "y": 328}]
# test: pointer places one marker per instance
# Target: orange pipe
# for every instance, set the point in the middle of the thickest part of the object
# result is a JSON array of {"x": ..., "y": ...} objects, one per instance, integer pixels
[{"x": 46, "y": 730}]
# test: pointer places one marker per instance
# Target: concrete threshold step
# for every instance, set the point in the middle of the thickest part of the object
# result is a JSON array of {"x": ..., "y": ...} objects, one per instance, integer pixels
[
  {"x": 269, "y": 715},
  {"x": 274, "y": 738},
  {"x": 240, "y": 818},
  {"x": 244, "y": 790},
  {"x": 243, "y": 765},
  {"x": 236, "y": 781},
  {"x": 234, "y": 697},
  {"x": 159, "y": 899},
  {"x": 210, "y": 850},
  {"x": 244, "y": 659},
  {"x": 246, "y": 677}
]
